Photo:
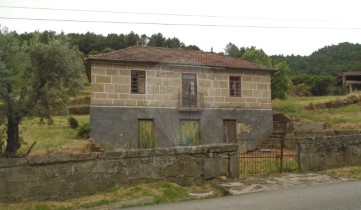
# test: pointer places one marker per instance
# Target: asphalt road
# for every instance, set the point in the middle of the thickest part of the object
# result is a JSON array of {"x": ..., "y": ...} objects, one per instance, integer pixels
[{"x": 343, "y": 196}]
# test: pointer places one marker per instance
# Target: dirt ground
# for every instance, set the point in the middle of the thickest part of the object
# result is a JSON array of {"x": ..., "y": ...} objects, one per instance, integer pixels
[{"x": 283, "y": 181}]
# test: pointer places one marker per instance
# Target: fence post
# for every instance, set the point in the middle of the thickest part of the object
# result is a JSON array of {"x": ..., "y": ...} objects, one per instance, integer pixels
[
  {"x": 298, "y": 156},
  {"x": 281, "y": 156}
]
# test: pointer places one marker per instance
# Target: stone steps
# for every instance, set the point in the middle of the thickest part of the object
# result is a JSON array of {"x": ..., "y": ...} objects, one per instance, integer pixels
[{"x": 278, "y": 133}]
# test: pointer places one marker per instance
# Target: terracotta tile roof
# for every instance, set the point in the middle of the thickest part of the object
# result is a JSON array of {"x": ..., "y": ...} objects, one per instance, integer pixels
[{"x": 176, "y": 56}]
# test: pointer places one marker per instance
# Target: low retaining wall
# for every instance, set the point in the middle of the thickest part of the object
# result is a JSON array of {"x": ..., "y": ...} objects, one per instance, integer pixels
[
  {"x": 291, "y": 138},
  {"x": 62, "y": 177},
  {"x": 325, "y": 152}
]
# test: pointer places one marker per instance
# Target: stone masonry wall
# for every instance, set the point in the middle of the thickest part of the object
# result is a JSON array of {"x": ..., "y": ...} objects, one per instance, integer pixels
[
  {"x": 325, "y": 152},
  {"x": 62, "y": 177},
  {"x": 111, "y": 86}
]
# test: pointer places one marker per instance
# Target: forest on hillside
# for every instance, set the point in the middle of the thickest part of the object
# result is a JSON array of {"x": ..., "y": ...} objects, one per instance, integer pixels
[
  {"x": 314, "y": 74},
  {"x": 91, "y": 43},
  {"x": 310, "y": 75}
]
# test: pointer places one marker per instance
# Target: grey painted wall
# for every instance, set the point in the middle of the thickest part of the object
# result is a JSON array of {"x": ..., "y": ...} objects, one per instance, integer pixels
[{"x": 117, "y": 127}]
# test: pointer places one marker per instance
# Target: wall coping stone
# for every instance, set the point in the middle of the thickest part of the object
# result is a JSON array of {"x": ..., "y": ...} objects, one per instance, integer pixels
[
  {"x": 12, "y": 162},
  {"x": 64, "y": 158}
]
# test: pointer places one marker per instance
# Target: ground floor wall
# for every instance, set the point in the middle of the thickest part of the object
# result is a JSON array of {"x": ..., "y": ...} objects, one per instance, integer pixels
[
  {"x": 118, "y": 127},
  {"x": 68, "y": 176}
]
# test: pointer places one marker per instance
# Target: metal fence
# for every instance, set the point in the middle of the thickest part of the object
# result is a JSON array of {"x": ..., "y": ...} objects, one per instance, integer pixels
[{"x": 268, "y": 160}]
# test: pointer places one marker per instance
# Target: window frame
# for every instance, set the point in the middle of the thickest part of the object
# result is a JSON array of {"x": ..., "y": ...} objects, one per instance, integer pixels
[
  {"x": 195, "y": 89},
  {"x": 235, "y": 90},
  {"x": 137, "y": 77}
]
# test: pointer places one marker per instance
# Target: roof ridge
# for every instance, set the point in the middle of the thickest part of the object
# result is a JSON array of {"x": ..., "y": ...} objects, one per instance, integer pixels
[{"x": 138, "y": 53}]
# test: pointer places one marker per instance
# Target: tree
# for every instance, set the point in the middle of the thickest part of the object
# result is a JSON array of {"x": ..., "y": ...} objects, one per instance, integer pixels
[
  {"x": 232, "y": 50},
  {"x": 257, "y": 56},
  {"x": 192, "y": 47},
  {"x": 132, "y": 39},
  {"x": 280, "y": 82},
  {"x": 157, "y": 40},
  {"x": 173, "y": 43},
  {"x": 36, "y": 79}
]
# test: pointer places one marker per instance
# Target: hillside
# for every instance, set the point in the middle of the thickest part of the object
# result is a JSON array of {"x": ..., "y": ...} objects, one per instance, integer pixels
[
  {"x": 328, "y": 60},
  {"x": 338, "y": 112}
]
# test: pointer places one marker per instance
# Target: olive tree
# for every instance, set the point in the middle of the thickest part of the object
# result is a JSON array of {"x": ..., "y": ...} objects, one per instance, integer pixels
[{"x": 36, "y": 80}]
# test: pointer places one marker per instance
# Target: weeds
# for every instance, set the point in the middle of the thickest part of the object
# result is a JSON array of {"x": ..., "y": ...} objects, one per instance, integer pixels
[
  {"x": 162, "y": 192},
  {"x": 171, "y": 192},
  {"x": 336, "y": 103},
  {"x": 352, "y": 172},
  {"x": 343, "y": 117},
  {"x": 55, "y": 138}
]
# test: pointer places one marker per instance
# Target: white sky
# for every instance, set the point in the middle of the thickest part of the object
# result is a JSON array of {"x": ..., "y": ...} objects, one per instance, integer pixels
[{"x": 316, "y": 14}]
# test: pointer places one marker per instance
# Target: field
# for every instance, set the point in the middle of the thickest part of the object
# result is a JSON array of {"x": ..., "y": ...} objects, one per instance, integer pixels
[
  {"x": 346, "y": 117},
  {"x": 52, "y": 139}
]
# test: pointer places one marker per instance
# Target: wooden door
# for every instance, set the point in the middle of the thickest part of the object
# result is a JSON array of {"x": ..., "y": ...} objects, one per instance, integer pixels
[
  {"x": 145, "y": 134},
  {"x": 189, "y": 90},
  {"x": 190, "y": 133},
  {"x": 229, "y": 131}
]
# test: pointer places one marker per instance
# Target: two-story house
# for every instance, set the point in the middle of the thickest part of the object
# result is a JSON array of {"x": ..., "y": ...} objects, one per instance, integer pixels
[{"x": 144, "y": 97}]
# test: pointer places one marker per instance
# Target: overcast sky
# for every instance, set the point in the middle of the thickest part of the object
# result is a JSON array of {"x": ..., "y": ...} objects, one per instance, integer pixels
[{"x": 286, "y": 27}]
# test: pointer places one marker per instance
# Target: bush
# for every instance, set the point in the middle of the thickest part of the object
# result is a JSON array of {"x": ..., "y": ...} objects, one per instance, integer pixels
[
  {"x": 84, "y": 131},
  {"x": 79, "y": 110},
  {"x": 73, "y": 123},
  {"x": 301, "y": 90}
]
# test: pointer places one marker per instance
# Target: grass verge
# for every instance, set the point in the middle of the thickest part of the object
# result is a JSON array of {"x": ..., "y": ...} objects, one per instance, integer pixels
[
  {"x": 161, "y": 192},
  {"x": 351, "y": 172}
]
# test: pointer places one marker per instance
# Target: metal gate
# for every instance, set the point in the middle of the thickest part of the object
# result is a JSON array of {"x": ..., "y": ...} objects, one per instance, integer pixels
[{"x": 268, "y": 160}]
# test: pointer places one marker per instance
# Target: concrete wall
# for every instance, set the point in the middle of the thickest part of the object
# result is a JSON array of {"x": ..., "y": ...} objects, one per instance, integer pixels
[
  {"x": 118, "y": 126},
  {"x": 62, "y": 177},
  {"x": 110, "y": 83},
  {"x": 325, "y": 152}
]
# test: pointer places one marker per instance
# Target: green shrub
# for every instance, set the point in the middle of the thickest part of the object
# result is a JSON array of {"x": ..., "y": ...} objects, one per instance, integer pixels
[
  {"x": 73, "y": 123},
  {"x": 84, "y": 131},
  {"x": 301, "y": 90}
]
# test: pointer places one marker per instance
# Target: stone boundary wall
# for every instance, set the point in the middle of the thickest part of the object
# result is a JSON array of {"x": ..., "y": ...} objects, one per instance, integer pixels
[
  {"x": 291, "y": 138},
  {"x": 68, "y": 176},
  {"x": 325, "y": 152}
]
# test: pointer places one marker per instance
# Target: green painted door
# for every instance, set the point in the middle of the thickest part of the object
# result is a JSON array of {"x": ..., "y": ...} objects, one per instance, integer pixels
[
  {"x": 190, "y": 133},
  {"x": 145, "y": 134}
]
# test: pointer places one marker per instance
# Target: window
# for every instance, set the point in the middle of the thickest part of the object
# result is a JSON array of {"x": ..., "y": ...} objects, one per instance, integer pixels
[
  {"x": 189, "y": 90},
  {"x": 234, "y": 85},
  {"x": 138, "y": 82}
]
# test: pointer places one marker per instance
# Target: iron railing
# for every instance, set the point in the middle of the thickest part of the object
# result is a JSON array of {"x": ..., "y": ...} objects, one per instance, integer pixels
[{"x": 266, "y": 161}]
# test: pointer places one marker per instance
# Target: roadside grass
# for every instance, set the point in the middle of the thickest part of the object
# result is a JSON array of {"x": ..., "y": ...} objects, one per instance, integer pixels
[
  {"x": 347, "y": 117},
  {"x": 351, "y": 172},
  {"x": 55, "y": 138},
  {"x": 160, "y": 192}
]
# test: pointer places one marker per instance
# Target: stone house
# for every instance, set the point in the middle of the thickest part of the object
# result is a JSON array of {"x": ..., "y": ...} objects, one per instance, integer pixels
[{"x": 144, "y": 97}]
